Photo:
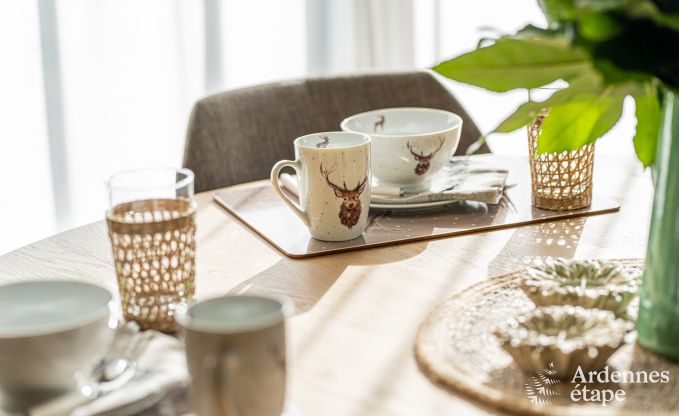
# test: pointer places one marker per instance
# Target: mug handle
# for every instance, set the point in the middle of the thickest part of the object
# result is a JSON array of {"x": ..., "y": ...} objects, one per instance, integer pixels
[
  {"x": 225, "y": 374},
  {"x": 275, "y": 171}
]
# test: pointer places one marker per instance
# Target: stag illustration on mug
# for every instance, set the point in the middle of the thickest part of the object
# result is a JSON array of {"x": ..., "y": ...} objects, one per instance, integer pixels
[
  {"x": 423, "y": 161},
  {"x": 350, "y": 211}
]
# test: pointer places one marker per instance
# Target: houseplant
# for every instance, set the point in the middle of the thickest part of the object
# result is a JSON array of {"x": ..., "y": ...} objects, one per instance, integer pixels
[{"x": 605, "y": 50}]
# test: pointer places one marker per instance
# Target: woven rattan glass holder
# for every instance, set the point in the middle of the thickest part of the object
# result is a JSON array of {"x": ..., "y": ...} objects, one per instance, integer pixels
[
  {"x": 153, "y": 245},
  {"x": 559, "y": 181}
]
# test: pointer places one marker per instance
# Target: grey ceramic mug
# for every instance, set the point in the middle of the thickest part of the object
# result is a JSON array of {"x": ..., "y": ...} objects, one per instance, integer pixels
[{"x": 236, "y": 353}]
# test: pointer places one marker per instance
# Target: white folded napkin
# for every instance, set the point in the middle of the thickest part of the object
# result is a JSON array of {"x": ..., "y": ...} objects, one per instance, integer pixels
[
  {"x": 161, "y": 368},
  {"x": 464, "y": 178}
]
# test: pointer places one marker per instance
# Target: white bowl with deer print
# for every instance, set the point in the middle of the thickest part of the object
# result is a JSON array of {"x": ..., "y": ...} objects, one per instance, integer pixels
[
  {"x": 409, "y": 145},
  {"x": 333, "y": 183}
]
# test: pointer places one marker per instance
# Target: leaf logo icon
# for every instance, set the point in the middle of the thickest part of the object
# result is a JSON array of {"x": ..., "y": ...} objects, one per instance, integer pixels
[{"x": 538, "y": 390}]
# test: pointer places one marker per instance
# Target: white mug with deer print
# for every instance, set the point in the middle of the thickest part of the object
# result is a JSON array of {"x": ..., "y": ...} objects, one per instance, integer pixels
[
  {"x": 333, "y": 182},
  {"x": 410, "y": 145}
]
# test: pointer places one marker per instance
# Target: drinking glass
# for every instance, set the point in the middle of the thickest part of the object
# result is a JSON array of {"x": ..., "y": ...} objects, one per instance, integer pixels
[
  {"x": 559, "y": 181},
  {"x": 152, "y": 229}
]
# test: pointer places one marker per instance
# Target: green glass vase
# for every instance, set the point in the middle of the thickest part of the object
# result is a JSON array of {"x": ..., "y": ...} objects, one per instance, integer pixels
[{"x": 658, "y": 322}]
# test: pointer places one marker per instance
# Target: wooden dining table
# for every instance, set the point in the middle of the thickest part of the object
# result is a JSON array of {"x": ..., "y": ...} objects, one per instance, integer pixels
[{"x": 357, "y": 313}]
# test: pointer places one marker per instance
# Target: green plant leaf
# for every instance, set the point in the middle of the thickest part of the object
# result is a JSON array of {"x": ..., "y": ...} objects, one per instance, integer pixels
[
  {"x": 558, "y": 11},
  {"x": 614, "y": 75},
  {"x": 517, "y": 63},
  {"x": 598, "y": 27},
  {"x": 532, "y": 31},
  {"x": 573, "y": 124},
  {"x": 608, "y": 118},
  {"x": 602, "y": 5},
  {"x": 641, "y": 46},
  {"x": 648, "y": 9},
  {"x": 649, "y": 117},
  {"x": 526, "y": 113},
  {"x": 583, "y": 88}
]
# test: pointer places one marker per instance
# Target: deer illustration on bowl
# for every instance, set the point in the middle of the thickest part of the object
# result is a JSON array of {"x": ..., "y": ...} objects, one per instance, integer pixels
[
  {"x": 423, "y": 161},
  {"x": 402, "y": 135}
]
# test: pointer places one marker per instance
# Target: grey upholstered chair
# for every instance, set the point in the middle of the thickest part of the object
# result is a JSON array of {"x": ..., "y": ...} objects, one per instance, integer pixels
[{"x": 237, "y": 136}]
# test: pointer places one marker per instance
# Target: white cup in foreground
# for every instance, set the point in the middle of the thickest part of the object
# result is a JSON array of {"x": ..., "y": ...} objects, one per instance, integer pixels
[
  {"x": 52, "y": 334},
  {"x": 236, "y": 354},
  {"x": 409, "y": 145},
  {"x": 333, "y": 182}
]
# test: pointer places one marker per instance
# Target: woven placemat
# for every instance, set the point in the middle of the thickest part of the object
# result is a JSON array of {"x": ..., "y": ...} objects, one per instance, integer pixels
[{"x": 456, "y": 349}]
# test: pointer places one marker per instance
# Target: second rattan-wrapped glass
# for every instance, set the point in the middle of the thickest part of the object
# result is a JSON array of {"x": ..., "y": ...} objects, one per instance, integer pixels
[{"x": 559, "y": 181}]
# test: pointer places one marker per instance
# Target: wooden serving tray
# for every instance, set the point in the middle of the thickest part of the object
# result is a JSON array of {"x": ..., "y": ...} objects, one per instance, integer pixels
[{"x": 258, "y": 207}]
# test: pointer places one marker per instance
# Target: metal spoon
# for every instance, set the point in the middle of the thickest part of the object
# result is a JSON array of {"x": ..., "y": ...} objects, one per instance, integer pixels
[{"x": 109, "y": 375}]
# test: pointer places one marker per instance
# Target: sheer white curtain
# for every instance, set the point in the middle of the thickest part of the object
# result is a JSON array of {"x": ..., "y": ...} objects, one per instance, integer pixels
[
  {"x": 90, "y": 87},
  {"x": 26, "y": 198},
  {"x": 350, "y": 35}
]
